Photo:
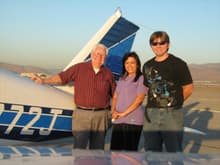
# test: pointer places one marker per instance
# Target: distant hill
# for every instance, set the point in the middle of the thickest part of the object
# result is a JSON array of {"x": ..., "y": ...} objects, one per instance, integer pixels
[
  {"x": 25, "y": 68},
  {"x": 209, "y": 73},
  {"x": 21, "y": 68},
  {"x": 201, "y": 73}
]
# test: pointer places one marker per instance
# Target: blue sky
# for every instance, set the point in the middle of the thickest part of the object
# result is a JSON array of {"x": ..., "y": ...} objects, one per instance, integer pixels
[{"x": 48, "y": 33}]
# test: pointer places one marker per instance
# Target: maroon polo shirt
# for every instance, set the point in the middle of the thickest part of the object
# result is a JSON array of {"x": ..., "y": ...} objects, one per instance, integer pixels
[{"x": 90, "y": 89}]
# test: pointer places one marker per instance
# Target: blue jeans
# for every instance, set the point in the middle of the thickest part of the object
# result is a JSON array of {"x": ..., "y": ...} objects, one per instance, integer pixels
[{"x": 163, "y": 126}]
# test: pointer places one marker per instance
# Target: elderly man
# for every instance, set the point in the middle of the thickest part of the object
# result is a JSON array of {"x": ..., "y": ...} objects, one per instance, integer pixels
[{"x": 94, "y": 85}]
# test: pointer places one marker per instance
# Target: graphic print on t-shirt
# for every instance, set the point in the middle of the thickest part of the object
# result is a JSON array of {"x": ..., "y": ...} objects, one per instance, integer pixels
[{"x": 161, "y": 91}]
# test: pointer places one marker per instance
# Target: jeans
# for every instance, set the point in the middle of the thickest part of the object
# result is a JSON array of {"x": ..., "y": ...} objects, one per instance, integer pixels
[{"x": 163, "y": 126}]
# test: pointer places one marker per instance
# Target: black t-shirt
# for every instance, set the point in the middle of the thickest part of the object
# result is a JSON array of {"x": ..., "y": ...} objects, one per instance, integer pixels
[{"x": 165, "y": 80}]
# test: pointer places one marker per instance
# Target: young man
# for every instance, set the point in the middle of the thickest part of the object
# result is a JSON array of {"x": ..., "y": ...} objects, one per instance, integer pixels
[
  {"x": 170, "y": 84},
  {"x": 93, "y": 85}
]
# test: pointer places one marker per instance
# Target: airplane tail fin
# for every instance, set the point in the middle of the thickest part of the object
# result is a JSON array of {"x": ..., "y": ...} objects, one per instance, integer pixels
[{"x": 118, "y": 35}]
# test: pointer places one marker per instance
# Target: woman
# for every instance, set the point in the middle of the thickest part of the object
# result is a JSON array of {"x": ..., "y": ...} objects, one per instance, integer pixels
[{"x": 127, "y": 110}]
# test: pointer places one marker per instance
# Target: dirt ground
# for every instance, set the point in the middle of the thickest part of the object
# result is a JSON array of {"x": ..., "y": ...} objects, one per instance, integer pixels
[{"x": 202, "y": 112}]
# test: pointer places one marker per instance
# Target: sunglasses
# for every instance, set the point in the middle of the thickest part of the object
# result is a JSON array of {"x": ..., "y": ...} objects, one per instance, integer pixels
[{"x": 158, "y": 43}]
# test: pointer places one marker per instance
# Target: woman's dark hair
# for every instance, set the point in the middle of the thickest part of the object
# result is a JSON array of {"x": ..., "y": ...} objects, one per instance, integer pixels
[{"x": 138, "y": 72}]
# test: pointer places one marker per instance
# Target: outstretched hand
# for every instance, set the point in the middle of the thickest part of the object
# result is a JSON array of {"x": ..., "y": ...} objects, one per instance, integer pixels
[{"x": 37, "y": 79}]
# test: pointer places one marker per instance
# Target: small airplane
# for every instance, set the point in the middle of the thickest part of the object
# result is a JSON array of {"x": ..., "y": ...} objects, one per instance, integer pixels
[{"x": 33, "y": 112}]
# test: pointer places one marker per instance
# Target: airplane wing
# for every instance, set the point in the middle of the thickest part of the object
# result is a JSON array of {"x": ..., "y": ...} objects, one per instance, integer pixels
[{"x": 45, "y": 155}]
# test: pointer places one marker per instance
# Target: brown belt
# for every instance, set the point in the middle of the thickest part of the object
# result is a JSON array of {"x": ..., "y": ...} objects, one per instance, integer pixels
[{"x": 91, "y": 109}]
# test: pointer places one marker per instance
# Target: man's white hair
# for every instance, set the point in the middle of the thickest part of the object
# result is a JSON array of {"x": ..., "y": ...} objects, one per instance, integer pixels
[{"x": 101, "y": 46}]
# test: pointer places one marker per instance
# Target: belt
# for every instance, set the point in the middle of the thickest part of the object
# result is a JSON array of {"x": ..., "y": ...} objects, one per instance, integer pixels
[
  {"x": 165, "y": 108},
  {"x": 91, "y": 109},
  {"x": 169, "y": 108}
]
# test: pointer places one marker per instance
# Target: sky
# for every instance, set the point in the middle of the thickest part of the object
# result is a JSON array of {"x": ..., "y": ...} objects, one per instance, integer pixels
[{"x": 49, "y": 33}]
